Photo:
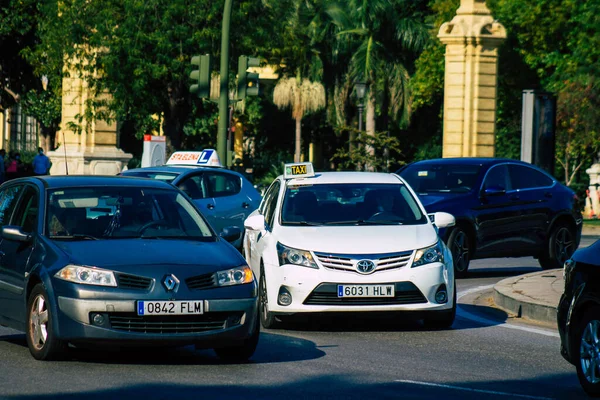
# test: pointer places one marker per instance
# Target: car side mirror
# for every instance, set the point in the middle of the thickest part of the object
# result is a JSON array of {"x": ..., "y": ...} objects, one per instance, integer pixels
[
  {"x": 442, "y": 219},
  {"x": 231, "y": 233},
  {"x": 494, "y": 191},
  {"x": 255, "y": 222},
  {"x": 11, "y": 232}
]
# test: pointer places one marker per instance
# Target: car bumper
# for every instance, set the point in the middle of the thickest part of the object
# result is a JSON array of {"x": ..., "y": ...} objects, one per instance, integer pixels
[
  {"x": 315, "y": 290},
  {"x": 223, "y": 323}
]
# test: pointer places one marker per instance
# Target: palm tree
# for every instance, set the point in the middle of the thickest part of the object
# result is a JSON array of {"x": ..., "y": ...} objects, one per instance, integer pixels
[
  {"x": 384, "y": 37},
  {"x": 303, "y": 97}
]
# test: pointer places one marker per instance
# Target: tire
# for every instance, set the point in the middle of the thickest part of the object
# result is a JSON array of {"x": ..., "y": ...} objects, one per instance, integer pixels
[
  {"x": 459, "y": 243},
  {"x": 586, "y": 344},
  {"x": 559, "y": 247},
  {"x": 267, "y": 319},
  {"x": 41, "y": 340},
  {"x": 243, "y": 352},
  {"x": 442, "y": 319}
]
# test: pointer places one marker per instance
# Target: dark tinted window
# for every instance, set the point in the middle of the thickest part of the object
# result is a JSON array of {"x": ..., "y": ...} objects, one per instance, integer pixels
[
  {"x": 27, "y": 212},
  {"x": 497, "y": 178},
  {"x": 221, "y": 185},
  {"x": 8, "y": 200},
  {"x": 453, "y": 178},
  {"x": 263, "y": 204},
  {"x": 272, "y": 203},
  {"x": 524, "y": 177},
  {"x": 194, "y": 186}
]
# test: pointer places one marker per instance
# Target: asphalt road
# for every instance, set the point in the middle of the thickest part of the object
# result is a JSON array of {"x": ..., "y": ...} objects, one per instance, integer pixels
[{"x": 349, "y": 358}]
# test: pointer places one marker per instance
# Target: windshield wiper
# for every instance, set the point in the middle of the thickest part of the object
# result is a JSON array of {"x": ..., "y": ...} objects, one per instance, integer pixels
[
  {"x": 77, "y": 236},
  {"x": 302, "y": 223}
]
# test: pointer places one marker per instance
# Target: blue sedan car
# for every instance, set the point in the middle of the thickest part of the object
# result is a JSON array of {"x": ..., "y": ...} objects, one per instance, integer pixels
[
  {"x": 119, "y": 261},
  {"x": 503, "y": 208},
  {"x": 224, "y": 197}
]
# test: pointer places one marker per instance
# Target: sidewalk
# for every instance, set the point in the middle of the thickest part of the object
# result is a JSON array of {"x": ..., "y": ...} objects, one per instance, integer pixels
[{"x": 534, "y": 296}]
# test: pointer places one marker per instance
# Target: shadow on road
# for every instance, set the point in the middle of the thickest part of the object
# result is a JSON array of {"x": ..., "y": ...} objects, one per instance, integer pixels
[
  {"x": 272, "y": 348},
  {"x": 332, "y": 386}
]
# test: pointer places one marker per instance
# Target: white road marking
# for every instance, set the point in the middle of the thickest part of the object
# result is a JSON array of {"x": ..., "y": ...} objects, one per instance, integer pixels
[
  {"x": 467, "y": 315},
  {"x": 439, "y": 385}
]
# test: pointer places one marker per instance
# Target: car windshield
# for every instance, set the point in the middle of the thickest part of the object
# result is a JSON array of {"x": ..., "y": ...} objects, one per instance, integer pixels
[
  {"x": 161, "y": 176},
  {"x": 436, "y": 178},
  {"x": 350, "y": 204},
  {"x": 122, "y": 212}
]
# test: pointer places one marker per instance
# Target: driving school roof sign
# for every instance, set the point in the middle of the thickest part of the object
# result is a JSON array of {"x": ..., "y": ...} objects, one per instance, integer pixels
[{"x": 206, "y": 158}]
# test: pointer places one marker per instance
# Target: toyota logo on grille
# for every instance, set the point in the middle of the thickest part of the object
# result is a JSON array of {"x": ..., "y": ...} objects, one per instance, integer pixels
[
  {"x": 171, "y": 283},
  {"x": 365, "y": 266}
]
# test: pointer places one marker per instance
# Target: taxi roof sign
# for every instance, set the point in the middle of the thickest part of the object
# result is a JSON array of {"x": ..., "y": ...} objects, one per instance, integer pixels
[
  {"x": 206, "y": 158},
  {"x": 298, "y": 170}
]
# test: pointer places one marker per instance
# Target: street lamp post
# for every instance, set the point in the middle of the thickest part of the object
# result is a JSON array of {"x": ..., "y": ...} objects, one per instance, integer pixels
[{"x": 361, "y": 88}]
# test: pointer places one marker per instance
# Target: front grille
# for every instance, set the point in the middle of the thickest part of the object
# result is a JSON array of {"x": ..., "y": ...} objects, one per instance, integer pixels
[
  {"x": 326, "y": 295},
  {"x": 133, "y": 282},
  {"x": 170, "y": 324},
  {"x": 347, "y": 262},
  {"x": 200, "y": 282}
]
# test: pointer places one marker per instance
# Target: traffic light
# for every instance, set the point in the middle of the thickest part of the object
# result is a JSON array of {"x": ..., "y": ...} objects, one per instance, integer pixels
[
  {"x": 247, "y": 81},
  {"x": 201, "y": 76}
]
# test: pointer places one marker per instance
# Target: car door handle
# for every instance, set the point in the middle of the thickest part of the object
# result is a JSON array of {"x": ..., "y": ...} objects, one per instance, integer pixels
[
  {"x": 210, "y": 206},
  {"x": 548, "y": 194},
  {"x": 245, "y": 205}
]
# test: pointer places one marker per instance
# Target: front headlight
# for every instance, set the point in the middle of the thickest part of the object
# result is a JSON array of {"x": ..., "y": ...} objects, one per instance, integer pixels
[
  {"x": 429, "y": 255},
  {"x": 87, "y": 275},
  {"x": 288, "y": 255},
  {"x": 235, "y": 276}
]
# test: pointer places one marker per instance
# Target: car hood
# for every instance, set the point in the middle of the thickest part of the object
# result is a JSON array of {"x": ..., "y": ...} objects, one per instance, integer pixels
[
  {"x": 134, "y": 252},
  {"x": 432, "y": 202},
  {"x": 358, "y": 239}
]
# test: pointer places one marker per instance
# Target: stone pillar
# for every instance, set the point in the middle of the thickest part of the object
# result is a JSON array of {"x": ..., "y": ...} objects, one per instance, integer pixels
[
  {"x": 472, "y": 39},
  {"x": 92, "y": 150}
]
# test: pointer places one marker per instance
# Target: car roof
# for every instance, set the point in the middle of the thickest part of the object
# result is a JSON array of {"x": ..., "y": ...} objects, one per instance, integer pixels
[
  {"x": 62, "y": 181},
  {"x": 469, "y": 161},
  {"x": 347, "y": 177},
  {"x": 180, "y": 169}
]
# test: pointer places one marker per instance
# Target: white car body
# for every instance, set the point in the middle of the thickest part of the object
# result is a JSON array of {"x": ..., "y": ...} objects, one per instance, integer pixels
[{"x": 329, "y": 244}]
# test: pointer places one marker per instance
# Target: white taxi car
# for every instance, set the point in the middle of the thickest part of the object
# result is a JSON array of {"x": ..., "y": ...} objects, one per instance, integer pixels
[{"x": 348, "y": 241}]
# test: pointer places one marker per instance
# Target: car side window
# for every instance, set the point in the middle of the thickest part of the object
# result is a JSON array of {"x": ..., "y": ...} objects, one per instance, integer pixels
[
  {"x": 267, "y": 196},
  {"x": 221, "y": 184},
  {"x": 194, "y": 187},
  {"x": 523, "y": 177},
  {"x": 8, "y": 201},
  {"x": 497, "y": 177},
  {"x": 272, "y": 204},
  {"x": 27, "y": 210}
]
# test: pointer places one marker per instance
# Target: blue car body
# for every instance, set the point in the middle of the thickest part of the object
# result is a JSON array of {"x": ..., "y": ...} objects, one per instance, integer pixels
[
  {"x": 222, "y": 208},
  {"x": 31, "y": 258},
  {"x": 505, "y": 208}
]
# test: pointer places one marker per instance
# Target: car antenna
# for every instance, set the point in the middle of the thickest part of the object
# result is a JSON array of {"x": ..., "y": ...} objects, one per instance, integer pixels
[{"x": 65, "y": 146}]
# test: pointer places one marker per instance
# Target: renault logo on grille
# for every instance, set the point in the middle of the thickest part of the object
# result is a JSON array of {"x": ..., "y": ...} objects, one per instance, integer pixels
[
  {"x": 365, "y": 266},
  {"x": 171, "y": 283}
]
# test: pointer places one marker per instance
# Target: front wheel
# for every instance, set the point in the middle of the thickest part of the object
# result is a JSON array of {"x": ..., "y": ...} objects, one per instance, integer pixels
[
  {"x": 587, "y": 352},
  {"x": 459, "y": 244},
  {"x": 267, "y": 319},
  {"x": 42, "y": 343},
  {"x": 559, "y": 248},
  {"x": 243, "y": 352}
]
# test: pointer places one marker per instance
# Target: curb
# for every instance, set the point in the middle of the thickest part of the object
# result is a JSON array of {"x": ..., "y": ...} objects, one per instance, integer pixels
[{"x": 507, "y": 299}]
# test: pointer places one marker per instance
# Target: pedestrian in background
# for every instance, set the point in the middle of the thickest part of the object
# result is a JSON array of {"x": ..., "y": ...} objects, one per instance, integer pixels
[
  {"x": 41, "y": 163},
  {"x": 2, "y": 167},
  {"x": 11, "y": 166}
]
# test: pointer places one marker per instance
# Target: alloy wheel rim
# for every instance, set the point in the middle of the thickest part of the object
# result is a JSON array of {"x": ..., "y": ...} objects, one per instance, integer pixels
[
  {"x": 460, "y": 251},
  {"x": 590, "y": 352},
  {"x": 264, "y": 301},
  {"x": 38, "y": 322},
  {"x": 563, "y": 245}
]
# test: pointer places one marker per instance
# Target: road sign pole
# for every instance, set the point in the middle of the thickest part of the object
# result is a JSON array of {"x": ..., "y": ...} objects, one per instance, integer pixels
[{"x": 224, "y": 93}]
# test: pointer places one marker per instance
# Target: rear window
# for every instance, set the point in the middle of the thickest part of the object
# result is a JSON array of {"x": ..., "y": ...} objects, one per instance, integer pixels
[
  {"x": 446, "y": 178},
  {"x": 161, "y": 176}
]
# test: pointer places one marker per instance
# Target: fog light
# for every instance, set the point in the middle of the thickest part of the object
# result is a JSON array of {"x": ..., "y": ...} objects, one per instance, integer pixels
[
  {"x": 98, "y": 319},
  {"x": 284, "y": 298},
  {"x": 441, "y": 296}
]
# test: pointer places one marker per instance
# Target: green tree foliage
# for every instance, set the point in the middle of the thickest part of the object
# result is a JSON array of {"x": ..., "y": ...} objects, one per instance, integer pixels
[{"x": 387, "y": 152}]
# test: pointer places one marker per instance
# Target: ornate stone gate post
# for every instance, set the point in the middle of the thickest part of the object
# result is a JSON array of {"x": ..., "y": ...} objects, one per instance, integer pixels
[{"x": 472, "y": 39}]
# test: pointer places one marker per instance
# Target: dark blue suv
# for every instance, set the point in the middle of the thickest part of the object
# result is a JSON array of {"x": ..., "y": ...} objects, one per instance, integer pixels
[{"x": 503, "y": 208}]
